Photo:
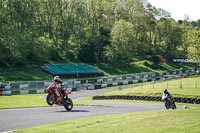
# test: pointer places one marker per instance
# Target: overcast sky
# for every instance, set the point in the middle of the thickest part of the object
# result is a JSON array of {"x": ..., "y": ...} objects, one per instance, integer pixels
[{"x": 178, "y": 8}]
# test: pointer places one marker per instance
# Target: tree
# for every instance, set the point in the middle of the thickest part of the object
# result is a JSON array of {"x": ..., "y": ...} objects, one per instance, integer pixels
[
  {"x": 194, "y": 45},
  {"x": 170, "y": 36},
  {"x": 123, "y": 41},
  {"x": 88, "y": 31}
]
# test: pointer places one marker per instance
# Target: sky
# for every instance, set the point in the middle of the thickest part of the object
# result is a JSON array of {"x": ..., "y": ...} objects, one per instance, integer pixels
[{"x": 179, "y": 8}]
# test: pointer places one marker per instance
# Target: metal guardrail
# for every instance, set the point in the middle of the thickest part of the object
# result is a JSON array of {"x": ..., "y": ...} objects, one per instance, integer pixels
[{"x": 33, "y": 87}]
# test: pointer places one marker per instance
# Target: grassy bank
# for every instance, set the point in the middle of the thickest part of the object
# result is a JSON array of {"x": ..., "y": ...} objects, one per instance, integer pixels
[
  {"x": 23, "y": 101},
  {"x": 173, "y": 121},
  {"x": 33, "y": 72},
  {"x": 185, "y": 87},
  {"x": 25, "y": 76}
]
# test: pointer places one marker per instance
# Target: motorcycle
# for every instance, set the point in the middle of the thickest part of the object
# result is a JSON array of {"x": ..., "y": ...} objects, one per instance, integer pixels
[
  {"x": 169, "y": 102},
  {"x": 58, "y": 96}
]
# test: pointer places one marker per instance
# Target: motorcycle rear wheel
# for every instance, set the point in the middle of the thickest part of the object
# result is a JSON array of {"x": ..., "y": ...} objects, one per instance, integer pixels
[
  {"x": 174, "y": 105},
  {"x": 69, "y": 104}
]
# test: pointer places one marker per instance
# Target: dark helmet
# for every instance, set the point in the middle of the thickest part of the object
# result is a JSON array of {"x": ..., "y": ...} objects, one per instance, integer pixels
[{"x": 165, "y": 91}]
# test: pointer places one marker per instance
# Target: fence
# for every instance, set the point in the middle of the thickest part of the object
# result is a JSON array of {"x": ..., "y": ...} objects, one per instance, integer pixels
[
  {"x": 179, "y": 83},
  {"x": 33, "y": 87}
]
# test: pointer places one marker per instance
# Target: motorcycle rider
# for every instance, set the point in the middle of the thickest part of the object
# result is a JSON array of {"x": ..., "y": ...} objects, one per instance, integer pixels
[
  {"x": 167, "y": 94},
  {"x": 58, "y": 84},
  {"x": 58, "y": 81},
  {"x": 168, "y": 99}
]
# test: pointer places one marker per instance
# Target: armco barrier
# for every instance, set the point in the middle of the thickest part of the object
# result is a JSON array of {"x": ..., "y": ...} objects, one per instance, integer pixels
[
  {"x": 30, "y": 87},
  {"x": 147, "y": 98}
]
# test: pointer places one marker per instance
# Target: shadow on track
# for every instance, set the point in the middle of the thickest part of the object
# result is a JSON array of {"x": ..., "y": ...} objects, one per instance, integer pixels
[{"x": 74, "y": 111}]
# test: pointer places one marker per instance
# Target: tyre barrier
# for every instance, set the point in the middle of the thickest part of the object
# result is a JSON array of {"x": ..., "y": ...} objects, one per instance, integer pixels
[{"x": 147, "y": 98}]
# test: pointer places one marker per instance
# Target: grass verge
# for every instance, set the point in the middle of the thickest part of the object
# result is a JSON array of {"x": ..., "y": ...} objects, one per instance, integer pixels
[
  {"x": 173, "y": 121},
  {"x": 23, "y": 101},
  {"x": 31, "y": 101},
  {"x": 185, "y": 87}
]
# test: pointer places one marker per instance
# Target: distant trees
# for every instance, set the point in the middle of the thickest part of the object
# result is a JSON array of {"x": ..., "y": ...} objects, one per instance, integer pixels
[
  {"x": 170, "y": 36},
  {"x": 91, "y": 31},
  {"x": 194, "y": 45},
  {"x": 123, "y": 42}
]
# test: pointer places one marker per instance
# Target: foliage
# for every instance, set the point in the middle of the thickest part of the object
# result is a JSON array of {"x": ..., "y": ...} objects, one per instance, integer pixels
[
  {"x": 122, "y": 42},
  {"x": 194, "y": 45},
  {"x": 91, "y": 31}
]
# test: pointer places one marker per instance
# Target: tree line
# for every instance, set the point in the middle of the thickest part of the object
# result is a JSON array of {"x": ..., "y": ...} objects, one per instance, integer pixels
[{"x": 109, "y": 31}]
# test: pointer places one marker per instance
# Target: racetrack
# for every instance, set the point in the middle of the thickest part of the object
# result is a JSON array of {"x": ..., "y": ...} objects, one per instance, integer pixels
[{"x": 12, "y": 119}]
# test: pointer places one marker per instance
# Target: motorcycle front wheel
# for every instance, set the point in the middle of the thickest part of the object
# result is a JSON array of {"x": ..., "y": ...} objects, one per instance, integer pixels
[
  {"x": 167, "y": 104},
  {"x": 50, "y": 99},
  {"x": 69, "y": 104}
]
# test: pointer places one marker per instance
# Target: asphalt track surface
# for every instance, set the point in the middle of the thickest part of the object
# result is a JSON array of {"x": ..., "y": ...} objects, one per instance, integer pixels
[{"x": 13, "y": 119}]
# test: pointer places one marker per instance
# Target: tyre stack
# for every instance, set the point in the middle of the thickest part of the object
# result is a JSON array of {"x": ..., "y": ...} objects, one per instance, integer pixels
[{"x": 147, "y": 98}]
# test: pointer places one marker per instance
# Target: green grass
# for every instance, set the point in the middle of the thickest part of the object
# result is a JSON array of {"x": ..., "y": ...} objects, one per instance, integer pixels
[
  {"x": 31, "y": 101},
  {"x": 33, "y": 71},
  {"x": 23, "y": 101},
  {"x": 38, "y": 100},
  {"x": 138, "y": 67},
  {"x": 185, "y": 87},
  {"x": 188, "y": 90},
  {"x": 172, "y": 121},
  {"x": 24, "y": 76},
  {"x": 124, "y": 69}
]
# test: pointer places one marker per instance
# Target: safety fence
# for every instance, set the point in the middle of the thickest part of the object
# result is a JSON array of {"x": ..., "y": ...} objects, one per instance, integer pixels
[{"x": 34, "y": 87}]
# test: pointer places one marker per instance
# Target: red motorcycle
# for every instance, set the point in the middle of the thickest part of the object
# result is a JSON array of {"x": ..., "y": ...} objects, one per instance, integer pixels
[{"x": 59, "y": 96}]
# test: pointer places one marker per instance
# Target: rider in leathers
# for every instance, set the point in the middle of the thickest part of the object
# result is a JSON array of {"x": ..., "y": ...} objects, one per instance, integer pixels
[
  {"x": 167, "y": 94},
  {"x": 59, "y": 85}
]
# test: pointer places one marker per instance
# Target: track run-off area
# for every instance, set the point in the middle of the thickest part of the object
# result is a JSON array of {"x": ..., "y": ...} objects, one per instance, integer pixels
[{"x": 13, "y": 119}]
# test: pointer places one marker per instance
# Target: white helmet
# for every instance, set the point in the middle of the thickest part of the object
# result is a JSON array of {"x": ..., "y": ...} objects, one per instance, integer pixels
[{"x": 56, "y": 78}]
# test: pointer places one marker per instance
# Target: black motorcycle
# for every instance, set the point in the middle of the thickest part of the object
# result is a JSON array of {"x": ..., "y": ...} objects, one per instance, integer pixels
[{"x": 169, "y": 102}]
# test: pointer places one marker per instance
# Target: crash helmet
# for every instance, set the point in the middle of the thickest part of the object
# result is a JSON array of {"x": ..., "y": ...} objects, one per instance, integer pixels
[
  {"x": 165, "y": 91},
  {"x": 56, "y": 78}
]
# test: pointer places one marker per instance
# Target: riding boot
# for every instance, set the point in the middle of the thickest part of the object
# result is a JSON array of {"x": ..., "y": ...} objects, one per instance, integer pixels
[
  {"x": 58, "y": 100},
  {"x": 63, "y": 100}
]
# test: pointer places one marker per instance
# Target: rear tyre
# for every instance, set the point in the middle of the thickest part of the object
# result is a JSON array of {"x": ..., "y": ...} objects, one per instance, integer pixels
[
  {"x": 68, "y": 104},
  {"x": 174, "y": 105}
]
